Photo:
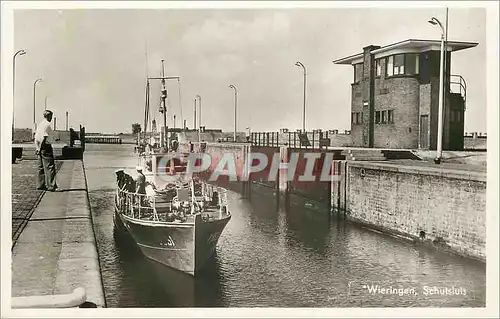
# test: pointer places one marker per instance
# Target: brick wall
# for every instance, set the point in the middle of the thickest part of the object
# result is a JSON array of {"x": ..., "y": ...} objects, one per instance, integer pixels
[
  {"x": 434, "y": 114},
  {"x": 450, "y": 208},
  {"x": 368, "y": 93},
  {"x": 402, "y": 95},
  {"x": 408, "y": 97},
  {"x": 356, "y": 106},
  {"x": 341, "y": 140},
  {"x": 26, "y": 135},
  {"x": 62, "y": 137},
  {"x": 425, "y": 109},
  {"x": 478, "y": 143},
  {"x": 22, "y": 135}
]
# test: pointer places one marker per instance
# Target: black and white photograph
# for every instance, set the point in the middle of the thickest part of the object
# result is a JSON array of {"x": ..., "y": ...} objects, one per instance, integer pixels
[{"x": 263, "y": 159}]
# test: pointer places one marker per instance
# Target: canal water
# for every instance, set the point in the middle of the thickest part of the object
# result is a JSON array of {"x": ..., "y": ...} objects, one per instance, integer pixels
[{"x": 269, "y": 257}]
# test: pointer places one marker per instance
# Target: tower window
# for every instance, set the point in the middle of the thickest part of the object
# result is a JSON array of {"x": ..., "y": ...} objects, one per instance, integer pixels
[
  {"x": 378, "y": 67},
  {"x": 402, "y": 64},
  {"x": 389, "y": 66},
  {"x": 390, "y": 116},
  {"x": 358, "y": 72},
  {"x": 357, "y": 118},
  {"x": 412, "y": 61},
  {"x": 399, "y": 64}
]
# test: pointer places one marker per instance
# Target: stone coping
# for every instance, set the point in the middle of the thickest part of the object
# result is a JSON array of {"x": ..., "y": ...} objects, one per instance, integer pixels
[
  {"x": 465, "y": 174},
  {"x": 32, "y": 146}
]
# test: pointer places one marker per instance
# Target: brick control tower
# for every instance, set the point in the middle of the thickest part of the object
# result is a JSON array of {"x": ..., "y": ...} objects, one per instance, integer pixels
[{"x": 395, "y": 96}]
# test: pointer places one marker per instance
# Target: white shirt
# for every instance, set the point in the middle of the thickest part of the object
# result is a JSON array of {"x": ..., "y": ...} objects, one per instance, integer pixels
[
  {"x": 150, "y": 191},
  {"x": 44, "y": 129}
]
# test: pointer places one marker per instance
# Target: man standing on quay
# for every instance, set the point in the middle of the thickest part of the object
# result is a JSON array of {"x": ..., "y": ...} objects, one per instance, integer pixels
[{"x": 45, "y": 153}]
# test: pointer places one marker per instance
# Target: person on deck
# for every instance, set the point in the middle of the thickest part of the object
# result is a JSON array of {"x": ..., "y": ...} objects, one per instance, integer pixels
[
  {"x": 175, "y": 145},
  {"x": 140, "y": 182},
  {"x": 46, "y": 165}
]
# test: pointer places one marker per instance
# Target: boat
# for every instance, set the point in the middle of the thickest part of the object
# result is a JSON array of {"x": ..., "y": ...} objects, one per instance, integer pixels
[
  {"x": 178, "y": 226},
  {"x": 179, "y": 219}
]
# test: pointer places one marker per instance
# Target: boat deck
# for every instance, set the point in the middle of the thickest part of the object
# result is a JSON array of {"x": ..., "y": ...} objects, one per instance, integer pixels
[{"x": 162, "y": 209}]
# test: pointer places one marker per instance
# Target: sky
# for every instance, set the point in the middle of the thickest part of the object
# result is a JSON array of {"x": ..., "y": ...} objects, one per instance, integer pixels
[{"x": 93, "y": 63}]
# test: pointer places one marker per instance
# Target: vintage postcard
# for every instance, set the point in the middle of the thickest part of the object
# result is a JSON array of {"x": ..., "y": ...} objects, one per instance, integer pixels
[{"x": 249, "y": 159}]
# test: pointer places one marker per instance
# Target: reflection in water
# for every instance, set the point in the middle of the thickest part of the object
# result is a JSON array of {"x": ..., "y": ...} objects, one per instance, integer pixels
[{"x": 272, "y": 257}]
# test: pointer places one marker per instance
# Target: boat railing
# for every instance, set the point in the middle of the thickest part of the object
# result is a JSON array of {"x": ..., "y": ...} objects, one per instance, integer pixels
[
  {"x": 198, "y": 196},
  {"x": 222, "y": 203},
  {"x": 137, "y": 206},
  {"x": 207, "y": 193}
]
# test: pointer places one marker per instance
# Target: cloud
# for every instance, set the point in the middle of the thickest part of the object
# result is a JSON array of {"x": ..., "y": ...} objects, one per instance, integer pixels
[{"x": 232, "y": 35}]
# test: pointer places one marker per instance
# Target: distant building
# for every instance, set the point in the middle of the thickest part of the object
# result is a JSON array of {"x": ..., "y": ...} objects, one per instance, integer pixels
[{"x": 395, "y": 96}]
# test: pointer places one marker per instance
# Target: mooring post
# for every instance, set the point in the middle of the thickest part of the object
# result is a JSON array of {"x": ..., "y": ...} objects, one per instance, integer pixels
[
  {"x": 284, "y": 184},
  {"x": 247, "y": 181},
  {"x": 329, "y": 190},
  {"x": 334, "y": 189}
]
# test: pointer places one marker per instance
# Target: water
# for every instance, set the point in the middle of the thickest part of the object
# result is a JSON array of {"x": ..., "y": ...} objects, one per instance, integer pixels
[{"x": 274, "y": 258}]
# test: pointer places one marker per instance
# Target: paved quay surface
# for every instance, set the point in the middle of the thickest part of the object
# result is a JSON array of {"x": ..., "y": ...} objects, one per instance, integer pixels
[
  {"x": 25, "y": 196},
  {"x": 56, "y": 252}
]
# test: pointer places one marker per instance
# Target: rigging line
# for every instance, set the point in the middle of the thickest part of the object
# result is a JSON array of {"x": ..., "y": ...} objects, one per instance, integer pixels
[
  {"x": 154, "y": 111},
  {"x": 146, "y": 111},
  {"x": 148, "y": 92},
  {"x": 146, "y": 47}
]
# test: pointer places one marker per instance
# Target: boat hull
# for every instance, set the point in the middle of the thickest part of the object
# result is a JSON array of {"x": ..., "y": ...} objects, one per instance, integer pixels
[{"x": 182, "y": 246}]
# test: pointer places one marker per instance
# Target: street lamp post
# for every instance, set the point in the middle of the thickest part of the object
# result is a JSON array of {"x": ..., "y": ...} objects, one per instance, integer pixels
[
  {"x": 19, "y": 52},
  {"x": 235, "y": 108},
  {"x": 439, "y": 154},
  {"x": 199, "y": 115},
  {"x": 298, "y": 63},
  {"x": 194, "y": 117},
  {"x": 34, "y": 103}
]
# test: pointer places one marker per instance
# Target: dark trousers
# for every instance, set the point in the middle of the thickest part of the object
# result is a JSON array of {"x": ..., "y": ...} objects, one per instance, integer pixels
[{"x": 46, "y": 168}]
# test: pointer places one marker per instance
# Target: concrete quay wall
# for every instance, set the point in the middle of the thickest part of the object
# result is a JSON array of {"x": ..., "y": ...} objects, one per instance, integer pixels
[
  {"x": 446, "y": 208},
  {"x": 56, "y": 252}
]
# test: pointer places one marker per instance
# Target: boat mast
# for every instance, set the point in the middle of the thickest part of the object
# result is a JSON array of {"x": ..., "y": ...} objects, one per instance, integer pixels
[
  {"x": 163, "y": 106},
  {"x": 146, "y": 110},
  {"x": 163, "y": 109}
]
